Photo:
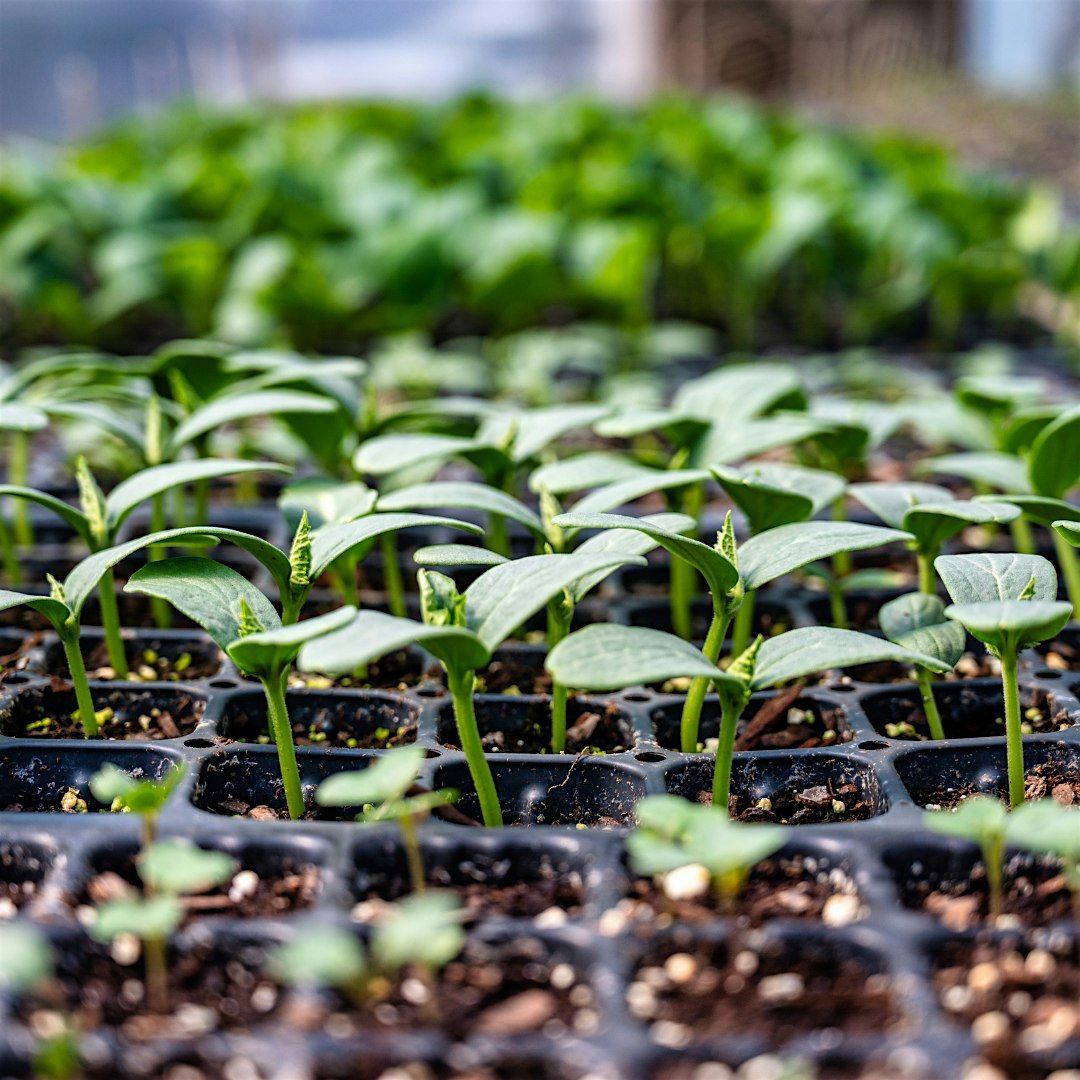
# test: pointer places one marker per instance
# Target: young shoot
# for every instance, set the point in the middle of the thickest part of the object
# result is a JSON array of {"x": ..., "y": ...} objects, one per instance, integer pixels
[
  {"x": 1047, "y": 827},
  {"x": 387, "y": 791},
  {"x": 462, "y": 630},
  {"x": 983, "y": 821},
  {"x": 917, "y": 621},
  {"x": 610, "y": 657},
  {"x": 1009, "y": 603},
  {"x": 674, "y": 834},
  {"x": 122, "y": 793},
  {"x": 245, "y": 625}
]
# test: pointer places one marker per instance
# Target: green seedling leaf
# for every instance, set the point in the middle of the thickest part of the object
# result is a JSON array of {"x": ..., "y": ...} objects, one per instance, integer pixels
[
  {"x": 231, "y": 409},
  {"x": 771, "y": 494},
  {"x": 718, "y": 572},
  {"x": 149, "y": 918},
  {"x": 630, "y": 422},
  {"x": 1001, "y": 472},
  {"x": 777, "y": 552},
  {"x": 53, "y": 609},
  {"x": 933, "y": 524},
  {"x": 22, "y": 417},
  {"x": 320, "y": 957},
  {"x": 627, "y": 491},
  {"x": 891, "y": 502},
  {"x": 423, "y": 929},
  {"x": 75, "y": 518},
  {"x": 207, "y": 592},
  {"x": 457, "y": 555},
  {"x": 462, "y": 495},
  {"x": 1041, "y": 509},
  {"x": 609, "y": 657},
  {"x": 584, "y": 472},
  {"x": 534, "y": 429},
  {"x": 373, "y": 634},
  {"x": 1054, "y": 460},
  {"x": 725, "y": 444},
  {"x": 179, "y": 868},
  {"x": 327, "y": 502},
  {"x": 739, "y": 392},
  {"x": 1069, "y": 531},
  {"x": 1008, "y": 625},
  {"x": 1047, "y": 827},
  {"x": 983, "y": 577},
  {"x": 269, "y": 651},
  {"x": 504, "y": 597},
  {"x": 387, "y": 779},
  {"x": 980, "y": 819},
  {"x": 810, "y": 649},
  {"x": 917, "y": 622},
  {"x": 113, "y": 787},
  {"x": 28, "y": 957},
  {"x": 385, "y": 454}
]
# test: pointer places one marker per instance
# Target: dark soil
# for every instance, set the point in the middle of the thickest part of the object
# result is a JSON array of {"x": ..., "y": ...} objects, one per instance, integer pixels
[
  {"x": 705, "y": 993},
  {"x": 796, "y": 888},
  {"x": 154, "y": 661},
  {"x": 512, "y": 676},
  {"x": 129, "y": 715},
  {"x": 813, "y": 805},
  {"x": 371, "y": 724},
  {"x": 590, "y": 728},
  {"x": 1022, "y": 1004},
  {"x": 398, "y": 671},
  {"x": 970, "y": 666},
  {"x": 248, "y": 895},
  {"x": 1036, "y": 894},
  {"x": 1052, "y": 779}
]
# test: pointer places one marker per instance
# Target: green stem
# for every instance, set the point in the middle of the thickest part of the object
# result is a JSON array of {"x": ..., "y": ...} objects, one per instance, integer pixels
[
  {"x": 19, "y": 473},
  {"x": 461, "y": 690},
  {"x": 202, "y": 502},
  {"x": 1014, "y": 740},
  {"x": 837, "y": 607},
  {"x": 1023, "y": 541},
  {"x": 683, "y": 575},
  {"x": 730, "y": 710},
  {"x": 156, "y": 966},
  {"x": 281, "y": 732},
  {"x": 689, "y": 727},
  {"x": 559, "y": 695},
  {"x": 413, "y": 856},
  {"x": 841, "y": 561},
  {"x": 1069, "y": 562},
  {"x": 161, "y": 609},
  {"x": 110, "y": 622},
  {"x": 343, "y": 573},
  {"x": 993, "y": 854},
  {"x": 395, "y": 590},
  {"x": 927, "y": 575},
  {"x": 70, "y": 641},
  {"x": 930, "y": 709},
  {"x": 498, "y": 536},
  {"x": 744, "y": 621},
  {"x": 12, "y": 569}
]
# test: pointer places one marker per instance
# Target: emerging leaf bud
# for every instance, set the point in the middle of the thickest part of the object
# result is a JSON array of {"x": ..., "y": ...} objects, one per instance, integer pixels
[
  {"x": 440, "y": 602},
  {"x": 248, "y": 620},
  {"x": 300, "y": 554},
  {"x": 91, "y": 500}
]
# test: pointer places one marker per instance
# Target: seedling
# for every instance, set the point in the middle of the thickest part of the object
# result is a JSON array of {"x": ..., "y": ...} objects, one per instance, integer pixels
[
  {"x": 932, "y": 515},
  {"x": 673, "y": 833},
  {"x": 917, "y": 622},
  {"x": 248, "y": 629},
  {"x": 984, "y": 821},
  {"x": 121, "y": 792},
  {"x": 1009, "y": 603},
  {"x": 422, "y": 933},
  {"x": 99, "y": 519},
  {"x": 734, "y": 573},
  {"x": 384, "y": 791},
  {"x": 609, "y": 657},
  {"x": 462, "y": 630},
  {"x": 1048, "y": 827}
]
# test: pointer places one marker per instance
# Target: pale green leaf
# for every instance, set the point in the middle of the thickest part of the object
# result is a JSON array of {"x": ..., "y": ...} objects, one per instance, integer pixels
[
  {"x": 271, "y": 651},
  {"x": 991, "y": 576},
  {"x": 463, "y": 495}
]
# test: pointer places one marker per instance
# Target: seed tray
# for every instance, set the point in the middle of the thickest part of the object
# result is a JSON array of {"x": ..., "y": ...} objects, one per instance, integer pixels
[{"x": 567, "y": 818}]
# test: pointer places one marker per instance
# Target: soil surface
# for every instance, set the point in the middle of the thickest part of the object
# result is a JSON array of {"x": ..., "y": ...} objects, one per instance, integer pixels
[
  {"x": 797, "y": 888},
  {"x": 156, "y": 662},
  {"x": 512, "y": 676},
  {"x": 1035, "y": 894},
  {"x": 590, "y": 729},
  {"x": 833, "y": 800},
  {"x": 398, "y": 671},
  {"x": 704, "y": 993},
  {"x": 970, "y": 666},
  {"x": 1022, "y": 1005},
  {"x": 1050, "y": 780},
  {"x": 129, "y": 715},
  {"x": 368, "y": 724}
]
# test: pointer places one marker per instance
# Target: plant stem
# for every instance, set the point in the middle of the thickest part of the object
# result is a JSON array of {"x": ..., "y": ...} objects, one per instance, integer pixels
[
  {"x": 744, "y": 621},
  {"x": 343, "y": 571},
  {"x": 559, "y": 694},
  {"x": 12, "y": 569},
  {"x": 927, "y": 576},
  {"x": 689, "y": 727},
  {"x": 1023, "y": 541},
  {"x": 1014, "y": 741},
  {"x": 841, "y": 561},
  {"x": 682, "y": 573},
  {"x": 837, "y": 607},
  {"x": 70, "y": 641},
  {"x": 161, "y": 609},
  {"x": 395, "y": 591},
  {"x": 930, "y": 709},
  {"x": 277, "y": 713},
  {"x": 1069, "y": 562},
  {"x": 18, "y": 473},
  {"x": 202, "y": 502},
  {"x": 461, "y": 690},
  {"x": 413, "y": 856},
  {"x": 993, "y": 854},
  {"x": 110, "y": 622},
  {"x": 156, "y": 967},
  {"x": 730, "y": 711},
  {"x": 498, "y": 537}
]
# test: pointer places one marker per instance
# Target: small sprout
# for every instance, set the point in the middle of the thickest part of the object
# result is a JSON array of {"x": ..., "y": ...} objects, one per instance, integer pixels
[
  {"x": 321, "y": 957},
  {"x": 179, "y": 868},
  {"x": 1047, "y": 827},
  {"x": 382, "y": 789},
  {"x": 982, "y": 820},
  {"x": 673, "y": 833},
  {"x": 27, "y": 958},
  {"x": 120, "y": 791}
]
